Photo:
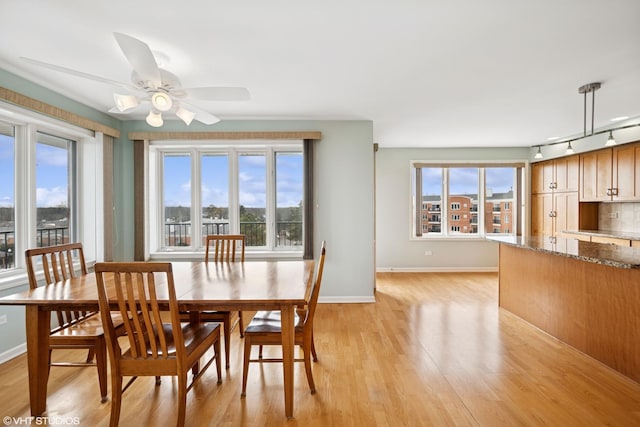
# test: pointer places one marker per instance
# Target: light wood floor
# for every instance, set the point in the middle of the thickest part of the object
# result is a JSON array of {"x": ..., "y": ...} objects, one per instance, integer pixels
[{"x": 435, "y": 350}]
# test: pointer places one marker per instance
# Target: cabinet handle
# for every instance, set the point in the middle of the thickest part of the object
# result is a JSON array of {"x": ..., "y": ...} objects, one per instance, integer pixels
[
  {"x": 614, "y": 191},
  {"x": 608, "y": 191}
]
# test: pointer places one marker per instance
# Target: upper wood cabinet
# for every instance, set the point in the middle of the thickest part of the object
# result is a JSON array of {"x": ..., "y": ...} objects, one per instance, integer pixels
[
  {"x": 611, "y": 174},
  {"x": 558, "y": 175},
  {"x": 626, "y": 172}
]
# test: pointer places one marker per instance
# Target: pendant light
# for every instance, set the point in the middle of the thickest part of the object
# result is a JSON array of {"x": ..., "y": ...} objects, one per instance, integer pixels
[{"x": 611, "y": 140}]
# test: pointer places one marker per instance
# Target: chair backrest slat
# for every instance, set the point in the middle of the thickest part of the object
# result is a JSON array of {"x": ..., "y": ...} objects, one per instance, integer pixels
[
  {"x": 137, "y": 285},
  {"x": 57, "y": 264},
  {"x": 225, "y": 246}
]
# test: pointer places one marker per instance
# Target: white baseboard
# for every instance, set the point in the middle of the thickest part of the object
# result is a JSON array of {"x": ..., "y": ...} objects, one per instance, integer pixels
[
  {"x": 346, "y": 300},
  {"x": 13, "y": 352},
  {"x": 436, "y": 269}
]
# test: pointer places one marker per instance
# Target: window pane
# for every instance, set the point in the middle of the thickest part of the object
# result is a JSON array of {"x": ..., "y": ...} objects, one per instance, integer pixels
[
  {"x": 463, "y": 200},
  {"x": 177, "y": 199},
  {"x": 7, "y": 197},
  {"x": 215, "y": 195},
  {"x": 431, "y": 200},
  {"x": 498, "y": 218},
  {"x": 288, "y": 199},
  {"x": 52, "y": 190},
  {"x": 252, "y": 189}
]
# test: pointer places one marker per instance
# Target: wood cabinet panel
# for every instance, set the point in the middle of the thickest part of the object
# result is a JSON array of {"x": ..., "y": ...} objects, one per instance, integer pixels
[
  {"x": 541, "y": 220},
  {"x": 566, "y": 211},
  {"x": 626, "y": 172},
  {"x": 595, "y": 176},
  {"x": 541, "y": 177},
  {"x": 567, "y": 171},
  {"x": 592, "y": 307}
]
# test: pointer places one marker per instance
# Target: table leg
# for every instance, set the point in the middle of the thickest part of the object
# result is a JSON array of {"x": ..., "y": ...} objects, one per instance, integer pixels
[
  {"x": 38, "y": 324},
  {"x": 288, "y": 335}
]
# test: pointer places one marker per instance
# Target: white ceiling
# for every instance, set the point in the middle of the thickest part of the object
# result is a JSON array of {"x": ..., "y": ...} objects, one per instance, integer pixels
[{"x": 457, "y": 73}]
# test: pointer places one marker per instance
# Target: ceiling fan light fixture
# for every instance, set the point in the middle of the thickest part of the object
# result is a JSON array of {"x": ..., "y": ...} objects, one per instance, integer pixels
[
  {"x": 186, "y": 115},
  {"x": 125, "y": 102},
  {"x": 611, "y": 140},
  {"x": 161, "y": 101},
  {"x": 154, "y": 119}
]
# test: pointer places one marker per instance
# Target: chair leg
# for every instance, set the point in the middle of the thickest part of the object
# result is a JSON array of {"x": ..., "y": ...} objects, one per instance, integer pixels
[
  {"x": 241, "y": 324},
  {"x": 182, "y": 398},
  {"x": 116, "y": 400},
  {"x": 245, "y": 364},
  {"x": 260, "y": 352},
  {"x": 313, "y": 349},
  {"x": 101, "y": 363},
  {"x": 306, "y": 349},
  {"x": 216, "y": 349},
  {"x": 90, "y": 355}
]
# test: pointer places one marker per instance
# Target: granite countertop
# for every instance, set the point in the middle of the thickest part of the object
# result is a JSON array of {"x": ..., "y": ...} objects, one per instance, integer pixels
[
  {"x": 599, "y": 253},
  {"x": 607, "y": 233}
]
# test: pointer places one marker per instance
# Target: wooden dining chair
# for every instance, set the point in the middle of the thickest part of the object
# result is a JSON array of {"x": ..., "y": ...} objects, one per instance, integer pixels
[
  {"x": 74, "y": 329},
  {"x": 156, "y": 347},
  {"x": 224, "y": 248},
  {"x": 265, "y": 329}
]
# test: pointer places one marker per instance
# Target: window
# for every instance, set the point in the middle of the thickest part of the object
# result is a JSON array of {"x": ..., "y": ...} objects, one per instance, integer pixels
[
  {"x": 255, "y": 190},
  {"x": 214, "y": 192},
  {"x": 54, "y": 195},
  {"x": 177, "y": 199},
  {"x": 476, "y": 198},
  {"x": 44, "y": 186},
  {"x": 7, "y": 198}
]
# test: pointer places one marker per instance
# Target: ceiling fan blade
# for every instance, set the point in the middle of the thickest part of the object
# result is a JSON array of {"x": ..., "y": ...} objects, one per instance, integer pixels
[
  {"x": 201, "y": 115},
  {"x": 140, "y": 57},
  {"x": 217, "y": 93},
  {"x": 79, "y": 74}
]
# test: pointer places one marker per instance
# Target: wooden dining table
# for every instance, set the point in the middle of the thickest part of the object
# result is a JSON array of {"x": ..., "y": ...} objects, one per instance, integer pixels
[{"x": 251, "y": 285}]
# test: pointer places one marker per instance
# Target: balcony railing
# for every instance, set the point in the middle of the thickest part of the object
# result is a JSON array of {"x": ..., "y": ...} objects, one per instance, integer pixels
[
  {"x": 288, "y": 233},
  {"x": 44, "y": 237}
]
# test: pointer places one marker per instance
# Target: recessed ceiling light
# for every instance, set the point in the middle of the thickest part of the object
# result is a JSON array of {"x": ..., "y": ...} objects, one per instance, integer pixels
[
  {"x": 619, "y": 119},
  {"x": 553, "y": 138}
]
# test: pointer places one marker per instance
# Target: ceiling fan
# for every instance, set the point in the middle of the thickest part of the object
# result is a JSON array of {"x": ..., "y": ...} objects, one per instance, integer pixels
[{"x": 156, "y": 86}]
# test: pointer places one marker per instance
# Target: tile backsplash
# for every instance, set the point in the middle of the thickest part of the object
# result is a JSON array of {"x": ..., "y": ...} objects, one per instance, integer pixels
[{"x": 626, "y": 217}]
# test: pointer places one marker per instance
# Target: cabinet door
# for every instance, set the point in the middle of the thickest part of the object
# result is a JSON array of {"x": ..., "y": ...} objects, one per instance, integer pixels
[
  {"x": 595, "y": 171},
  {"x": 626, "y": 172},
  {"x": 566, "y": 211},
  {"x": 567, "y": 171},
  {"x": 541, "y": 221},
  {"x": 542, "y": 177},
  {"x": 604, "y": 182}
]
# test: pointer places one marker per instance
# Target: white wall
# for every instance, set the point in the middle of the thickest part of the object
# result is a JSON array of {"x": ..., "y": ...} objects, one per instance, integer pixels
[{"x": 395, "y": 249}]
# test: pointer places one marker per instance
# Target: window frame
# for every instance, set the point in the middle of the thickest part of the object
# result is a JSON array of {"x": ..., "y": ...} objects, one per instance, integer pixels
[
  {"x": 518, "y": 207},
  {"x": 233, "y": 149},
  {"x": 85, "y": 185}
]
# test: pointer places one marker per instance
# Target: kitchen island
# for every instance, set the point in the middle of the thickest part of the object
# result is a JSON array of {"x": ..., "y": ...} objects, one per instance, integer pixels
[{"x": 583, "y": 293}]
